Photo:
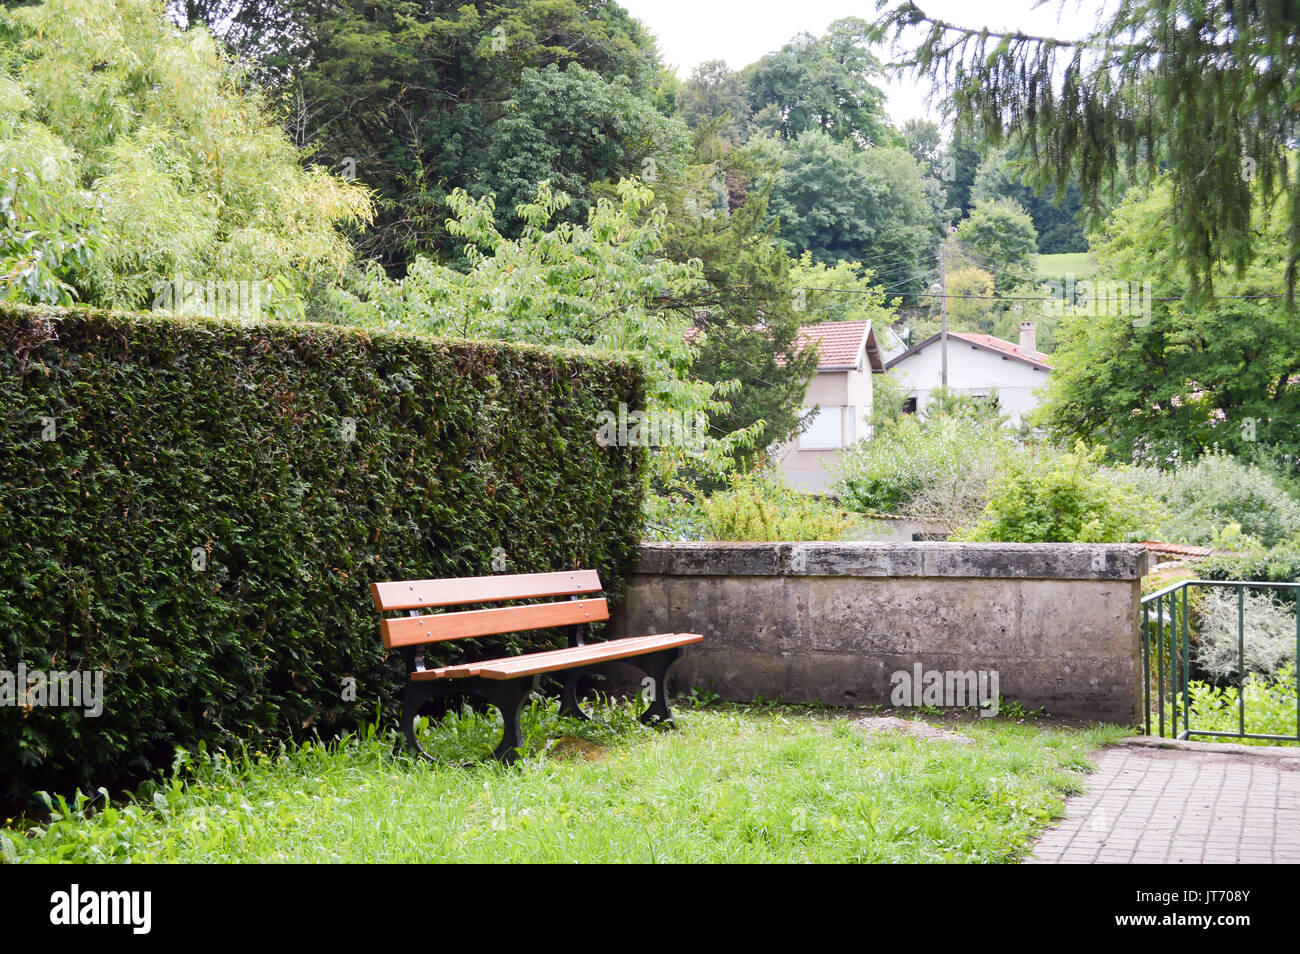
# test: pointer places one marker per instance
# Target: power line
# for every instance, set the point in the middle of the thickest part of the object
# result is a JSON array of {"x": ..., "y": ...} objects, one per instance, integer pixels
[
  {"x": 878, "y": 290},
  {"x": 919, "y": 277}
]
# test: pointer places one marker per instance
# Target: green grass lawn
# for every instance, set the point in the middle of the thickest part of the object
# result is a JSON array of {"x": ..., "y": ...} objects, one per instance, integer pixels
[
  {"x": 1078, "y": 264},
  {"x": 747, "y": 784}
]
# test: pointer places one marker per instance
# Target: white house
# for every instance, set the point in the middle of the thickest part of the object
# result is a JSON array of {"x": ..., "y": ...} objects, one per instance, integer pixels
[
  {"x": 978, "y": 365},
  {"x": 849, "y": 356}
]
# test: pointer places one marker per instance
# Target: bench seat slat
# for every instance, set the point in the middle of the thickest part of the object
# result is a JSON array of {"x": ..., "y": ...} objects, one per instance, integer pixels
[
  {"x": 418, "y": 594},
  {"x": 414, "y": 630},
  {"x": 511, "y": 667}
]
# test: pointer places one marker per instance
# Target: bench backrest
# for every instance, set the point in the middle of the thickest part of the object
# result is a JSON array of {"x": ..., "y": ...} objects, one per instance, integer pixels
[{"x": 437, "y": 627}]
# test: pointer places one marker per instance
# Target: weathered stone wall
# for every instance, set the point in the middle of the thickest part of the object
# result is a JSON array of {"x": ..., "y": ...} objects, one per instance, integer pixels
[{"x": 830, "y": 622}]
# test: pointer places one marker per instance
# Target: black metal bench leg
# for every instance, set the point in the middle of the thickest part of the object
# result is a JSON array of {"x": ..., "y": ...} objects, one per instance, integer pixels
[
  {"x": 508, "y": 695},
  {"x": 415, "y": 696},
  {"x": 656, "y": 666},
  {"x": 569, "y": 699}
]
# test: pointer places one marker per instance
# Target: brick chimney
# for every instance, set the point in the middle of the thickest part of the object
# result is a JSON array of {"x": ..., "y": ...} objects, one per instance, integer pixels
[{"x": 1029, "y": 338}]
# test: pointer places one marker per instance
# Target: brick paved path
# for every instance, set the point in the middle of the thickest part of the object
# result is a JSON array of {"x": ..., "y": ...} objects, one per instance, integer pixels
[{"x": 1214, "y": 804}]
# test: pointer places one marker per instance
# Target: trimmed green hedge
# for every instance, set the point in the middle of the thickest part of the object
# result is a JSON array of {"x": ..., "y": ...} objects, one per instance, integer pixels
[{"x": 196, "y": 507}]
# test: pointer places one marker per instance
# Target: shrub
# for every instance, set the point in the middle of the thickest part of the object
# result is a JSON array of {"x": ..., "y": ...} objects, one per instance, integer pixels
[
  {"x": 211, "y": 500},
  {"x": 762, "y": 508},
  {"x": 1268, "y": 634},
  {"x": 1270, "y": 706},
  {"x": 756, "y": 507},
  {"x": 1062, "y": 498},
  {"x": 1207, "y": 495},
  {"x": 134, "y": 154},
  {"x": 1279, "y": 564},
  {"x": 938, "y": 468}
]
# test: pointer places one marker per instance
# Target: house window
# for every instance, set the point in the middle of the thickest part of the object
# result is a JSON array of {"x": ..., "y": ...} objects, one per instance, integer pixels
[{"x": 824, "y": 431}]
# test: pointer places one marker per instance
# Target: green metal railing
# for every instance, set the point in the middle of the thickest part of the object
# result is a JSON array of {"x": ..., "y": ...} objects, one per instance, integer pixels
[{"x": 1172, "y": 642}]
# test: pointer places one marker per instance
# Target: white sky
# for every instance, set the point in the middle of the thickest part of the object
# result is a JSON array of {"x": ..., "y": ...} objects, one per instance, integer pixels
[{"x": 741, "y": 31}]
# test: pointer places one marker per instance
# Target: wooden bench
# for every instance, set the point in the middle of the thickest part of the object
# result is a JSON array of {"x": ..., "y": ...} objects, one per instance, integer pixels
[{"x": 507, "y": 682}]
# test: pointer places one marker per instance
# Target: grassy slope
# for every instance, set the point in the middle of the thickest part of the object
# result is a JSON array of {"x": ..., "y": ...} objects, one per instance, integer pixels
[
  {"x": 1078, "y": 264},
  {"x": 734, "y": 784}
]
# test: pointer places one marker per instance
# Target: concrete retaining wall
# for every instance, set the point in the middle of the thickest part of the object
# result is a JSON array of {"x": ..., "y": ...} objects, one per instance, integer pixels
[{"x": 831, "y": 622}]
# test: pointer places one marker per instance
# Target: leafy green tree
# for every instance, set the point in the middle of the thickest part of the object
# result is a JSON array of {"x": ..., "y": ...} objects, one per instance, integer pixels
[
  {"x": 665, "y": 91},
  {"x": 843, "y": 204},
  {"x": 1000, "y": 235},
  {"x": 744, "y": 312},
  {"x": 1062, "y": 498},
  {"x": 557, "y": 284},
  {"x": 845, "y": 291},
  {"x": 575, "y": 130},
  {"x": 1158, "y": 381},
  {"x": 1058, "y": 226},
  {"x": 822, "y": 83},
  {"x": 48, "y": 239},
  {"x": 925, "y": 142},
  {"x": 134, "y": 155},
  {"x": 714, "y": 93},
  {"x": 406, "y": 95},
  {"x": 589, "y": 286},
  {"x": 1202, "y": 88}
]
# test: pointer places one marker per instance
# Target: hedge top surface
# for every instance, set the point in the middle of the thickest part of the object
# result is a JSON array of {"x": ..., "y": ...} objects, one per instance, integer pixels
[{"x": 11, "y": 310}]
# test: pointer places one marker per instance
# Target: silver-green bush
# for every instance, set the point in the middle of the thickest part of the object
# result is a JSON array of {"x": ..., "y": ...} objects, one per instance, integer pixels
[{"x": 1268, "y": 634}]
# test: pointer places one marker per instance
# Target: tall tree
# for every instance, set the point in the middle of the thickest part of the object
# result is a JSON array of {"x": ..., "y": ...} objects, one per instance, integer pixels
[
  {"x": 1057, "y": 225},
  {"x": 1000, "y": 235},
  {"x": 1160, "y": 380},
  {"x": 404, "y": 95},
  {"x": 1203, "y": 87},
  {"x": 715, "y": 93},
  {"x": 961, "y": 161},
  {"x": 745, "y": 312},
  {"x": 824, "y": 83},
  {"x": 134, "y": 155},
  {"x": 846, "y": 204},
  {"x": 924, "y": 141},
  {"x": 575, "y": 130}
]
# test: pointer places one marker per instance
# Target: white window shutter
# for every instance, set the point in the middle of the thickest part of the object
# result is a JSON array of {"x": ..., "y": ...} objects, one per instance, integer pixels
[{"x": 824, "y": 433}]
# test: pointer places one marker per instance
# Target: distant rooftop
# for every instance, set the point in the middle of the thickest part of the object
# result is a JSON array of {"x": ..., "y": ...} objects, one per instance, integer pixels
[
  {"x": 839, "y": 343},
  {"x": 989, "y": 343}
]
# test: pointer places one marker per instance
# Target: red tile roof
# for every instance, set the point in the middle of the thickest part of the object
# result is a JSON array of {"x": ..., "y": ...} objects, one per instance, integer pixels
[
  {"x": 838, "y": 342},
  {"x": 988, "y": 342},
  {"x": 1181, "y": 549},
  {"x": 997, "y": 344}
]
